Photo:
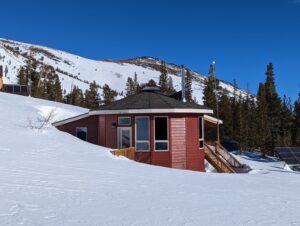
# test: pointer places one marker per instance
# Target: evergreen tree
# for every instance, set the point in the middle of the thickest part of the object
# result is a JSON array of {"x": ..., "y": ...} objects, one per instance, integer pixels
[
  {"x": 151, "y": 83},
  {"x": 91, "y": 96},
  {"x": 163, "y": 78},
  {"x": 51, "y": 83},
  {"x": 242, "y": 131},
  {"x": 226, "y": 116},
  {"x": 108, "y": 94},
  {"x": 286, "y": 122},
  {"x": 274, "y": 108},
  {"x": 57, "y": 89},
  {"x": 252, "y": 123},
  {"x": 137, "y": 87},
  {"x": 188, "y": 87},
  {"x": 171, "y": 89},
  {"x": 296, "y": 124},
  {"x": 211, "y": 87},
  {"x": 23, "y": 76},
  {"x": 75, "y": 97},
  {"x": 235, "y": 112},
  {"x": 130, "y": 87},
  {"x": 263, "y": 128}
]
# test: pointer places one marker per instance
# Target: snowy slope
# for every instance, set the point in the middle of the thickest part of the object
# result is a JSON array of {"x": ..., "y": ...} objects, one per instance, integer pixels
[
  {"x": 76, "y": 70},
  {"x": 51, "y": 178}
]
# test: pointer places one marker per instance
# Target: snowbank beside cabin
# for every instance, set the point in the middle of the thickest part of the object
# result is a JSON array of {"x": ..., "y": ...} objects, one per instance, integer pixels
[{"x": 51, "y": 178}]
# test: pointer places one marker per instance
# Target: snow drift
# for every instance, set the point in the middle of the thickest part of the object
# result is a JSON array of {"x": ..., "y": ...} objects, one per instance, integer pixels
[{"x": 48, "y": 177}]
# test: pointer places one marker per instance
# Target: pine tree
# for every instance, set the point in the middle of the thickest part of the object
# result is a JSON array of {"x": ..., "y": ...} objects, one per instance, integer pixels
[
  {"x": 171, "y": 89},
  {"x": 151, "y": 83},
  {"x": 130, "y": 87},
  {"x": 23, "y": 76},
  {"x": 211, "y": 89},
  {"x": 296, "y": 124},
  {"x": 137, "y": 87},
  {"x": 274, "y": 107},
  {"x": 252, "y": 123},
  {"x": 242, "y": 122},
  {"x": 91, "y": 96},
  {"x": 286, "y": 122},
  {"x": 108, "y": 94},
  {"x": 235, "y": 112},
  {"x": 75, "y": 97},
  {"x": 262, "y": 121},
  {"x": 163, "y": 78},
  {"x": 226, "y": 116},
  {"x": 188, "y": 87},
  {"x": 58, "y": 90},
  {"x": 50, "y": 80}
]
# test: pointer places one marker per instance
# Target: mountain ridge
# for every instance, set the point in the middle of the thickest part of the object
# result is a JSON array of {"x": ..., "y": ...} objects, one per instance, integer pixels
[{"x": 76, "y": 70}]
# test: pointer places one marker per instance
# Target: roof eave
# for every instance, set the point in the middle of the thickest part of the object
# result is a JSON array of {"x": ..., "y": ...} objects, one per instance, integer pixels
[{"x": 151, "y": 111}]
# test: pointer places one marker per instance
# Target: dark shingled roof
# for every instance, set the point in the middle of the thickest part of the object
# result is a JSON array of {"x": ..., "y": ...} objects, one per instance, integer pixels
[{"x": 150, "y": 99}]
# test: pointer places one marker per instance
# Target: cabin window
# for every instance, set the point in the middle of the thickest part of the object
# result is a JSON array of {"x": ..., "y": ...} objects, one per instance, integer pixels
[
  {"x": 124, "y": 121},
  {"x": 24, "y": 89},
  {"x": 142, "y": 134},
  {"x": 161, "y": 133},
  {"x": 17, "y": 89},
  {"x": 201, "y": 132},
  {"x": 81, "y": 133},
  {"x": 9, "y": 89}
]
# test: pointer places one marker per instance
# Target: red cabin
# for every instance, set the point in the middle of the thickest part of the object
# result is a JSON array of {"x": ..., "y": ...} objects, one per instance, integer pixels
[{"x": 163, "y": 130}]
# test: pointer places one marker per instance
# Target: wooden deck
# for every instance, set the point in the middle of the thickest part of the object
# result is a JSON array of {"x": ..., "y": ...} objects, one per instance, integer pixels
[{"x": 126, "y": 152}]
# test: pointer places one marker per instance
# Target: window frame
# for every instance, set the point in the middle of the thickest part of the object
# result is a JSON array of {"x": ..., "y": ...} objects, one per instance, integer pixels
[
  {"x": 119, "y": 133},
  {"x": 202, "y": 138},
  {"x": 142, "y": 141},
  {"x": 161, "y": 141},
  {"x": 128, "y": 117},
  {"x": 82, "y": 127}
]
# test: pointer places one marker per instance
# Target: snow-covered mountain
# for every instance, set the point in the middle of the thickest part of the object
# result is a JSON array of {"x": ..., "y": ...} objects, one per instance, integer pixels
[{"x": 76, "y": 70}]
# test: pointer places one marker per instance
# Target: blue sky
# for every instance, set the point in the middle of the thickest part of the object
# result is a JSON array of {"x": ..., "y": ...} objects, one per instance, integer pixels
[{"x": 241, "y": 35}]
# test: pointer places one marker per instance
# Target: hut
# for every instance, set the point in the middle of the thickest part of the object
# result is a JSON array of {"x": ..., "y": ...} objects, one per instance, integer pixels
[{"x": 164, "y": 131}]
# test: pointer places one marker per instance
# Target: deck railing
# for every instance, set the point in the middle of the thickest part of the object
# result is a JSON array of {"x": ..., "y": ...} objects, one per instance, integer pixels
[
  {"x": 220, "y": 164},
  {"x": 227, "y": 156},
  {"x": 126, "y": 152}
]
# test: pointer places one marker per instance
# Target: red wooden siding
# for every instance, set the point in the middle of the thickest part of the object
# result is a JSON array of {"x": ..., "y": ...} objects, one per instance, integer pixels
[
  {"x": 111, "y": 131},
  {"x": 183, "y": 153},
  {"x": 92, "y": 128},
  {"x": 102, "y": 133},
  {"x": 194, "y": 155},
  {"x": 160, "y": 158},
  {"x": 178, "y": 143}
]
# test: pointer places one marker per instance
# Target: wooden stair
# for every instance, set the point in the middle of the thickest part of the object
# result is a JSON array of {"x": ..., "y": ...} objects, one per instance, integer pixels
[{"x": 222, "y": 160}]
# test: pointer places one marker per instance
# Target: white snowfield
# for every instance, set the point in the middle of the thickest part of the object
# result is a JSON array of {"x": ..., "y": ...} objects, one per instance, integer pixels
[
  {"x": 76, "y": 70},
  {"x": 49, "y": 177}
]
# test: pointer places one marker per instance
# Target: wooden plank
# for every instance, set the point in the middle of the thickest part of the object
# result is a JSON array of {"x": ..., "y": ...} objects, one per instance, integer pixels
[{"x": 126, "y": 152}]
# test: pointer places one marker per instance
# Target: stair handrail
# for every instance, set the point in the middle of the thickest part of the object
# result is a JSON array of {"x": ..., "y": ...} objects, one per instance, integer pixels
[
  {"x": 223, "y": 165},
  {"x": 227, "y": 156}
]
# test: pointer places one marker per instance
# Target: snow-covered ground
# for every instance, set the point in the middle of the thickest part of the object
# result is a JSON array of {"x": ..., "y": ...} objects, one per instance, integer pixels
[{"x": 51, "y": 178}]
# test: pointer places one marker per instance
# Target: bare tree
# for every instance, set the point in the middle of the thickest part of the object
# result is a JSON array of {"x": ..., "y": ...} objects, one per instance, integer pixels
[{"x": 42, "y": 122}]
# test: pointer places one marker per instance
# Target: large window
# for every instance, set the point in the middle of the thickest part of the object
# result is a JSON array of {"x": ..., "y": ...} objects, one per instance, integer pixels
[
  {"x": 201, "y": 132},
  {"x": 124, "y": 121},
  {"x": 161, "y": 133},
  {"x": 81, "y": 133},
  {"x": 142, "y": 134}
]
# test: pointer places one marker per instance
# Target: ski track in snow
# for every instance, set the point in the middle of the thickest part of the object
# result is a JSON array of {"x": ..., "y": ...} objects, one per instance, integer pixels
[{"x": 52, "y": 178}]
